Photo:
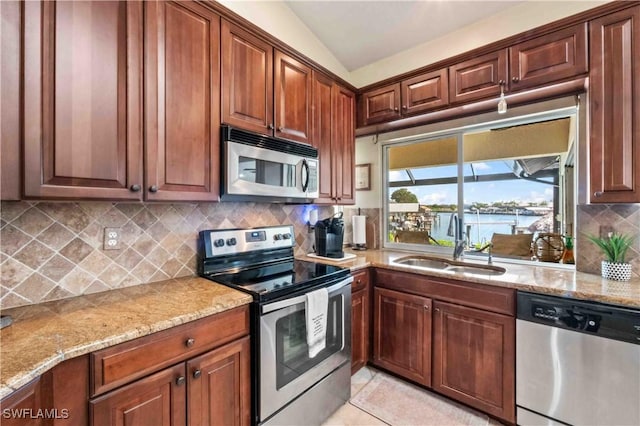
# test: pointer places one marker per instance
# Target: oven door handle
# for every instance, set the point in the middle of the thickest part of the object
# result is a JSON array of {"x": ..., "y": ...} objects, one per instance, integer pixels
[{"x": 301, "y": 299}]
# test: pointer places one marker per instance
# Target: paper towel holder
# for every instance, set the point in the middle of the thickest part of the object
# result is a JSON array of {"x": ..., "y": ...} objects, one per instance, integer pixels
[{"x": 361, "y": 245}]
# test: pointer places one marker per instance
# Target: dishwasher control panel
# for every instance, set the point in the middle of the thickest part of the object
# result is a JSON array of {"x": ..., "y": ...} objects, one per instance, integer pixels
[{"x": 614, "y": 322}]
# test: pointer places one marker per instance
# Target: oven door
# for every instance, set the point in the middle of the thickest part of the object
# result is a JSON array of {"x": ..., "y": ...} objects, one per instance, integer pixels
[
  {"x": 252, "y": 171},
  {"x": 286, "y": 370}
]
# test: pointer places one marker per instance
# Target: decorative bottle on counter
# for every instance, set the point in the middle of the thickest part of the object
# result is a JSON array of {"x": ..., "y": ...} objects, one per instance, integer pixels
[{"x": 567, "y": 256}]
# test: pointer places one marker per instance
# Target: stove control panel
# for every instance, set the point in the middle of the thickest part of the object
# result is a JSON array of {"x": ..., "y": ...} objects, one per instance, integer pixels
[{"x": 222, "y": 242}]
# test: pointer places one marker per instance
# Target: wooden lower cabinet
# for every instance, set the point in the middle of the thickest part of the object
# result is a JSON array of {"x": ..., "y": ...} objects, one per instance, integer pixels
[
  {"x": 360, "y": 320},
  {"x": 474, "y": 358},
  {"x": 219, "y": 386},
  {"x": 159, "y": 399},
  {"x": 27, "y": 399},
  {"x": 402, "y": 334}
]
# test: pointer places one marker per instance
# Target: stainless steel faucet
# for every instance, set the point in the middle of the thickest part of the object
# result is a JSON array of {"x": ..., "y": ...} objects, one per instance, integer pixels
[{"x": 460, "y": 242}]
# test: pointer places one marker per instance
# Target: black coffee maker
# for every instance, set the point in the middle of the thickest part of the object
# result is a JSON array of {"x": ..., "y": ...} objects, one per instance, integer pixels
[{"x": 329, "y": 236}]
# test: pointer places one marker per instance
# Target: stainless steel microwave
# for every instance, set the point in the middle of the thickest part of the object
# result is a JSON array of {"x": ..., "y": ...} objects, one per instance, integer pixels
[{"x": 261, "y": 168}]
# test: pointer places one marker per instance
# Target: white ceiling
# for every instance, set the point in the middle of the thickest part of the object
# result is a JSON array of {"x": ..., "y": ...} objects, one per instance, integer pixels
[{"x": 359, "y": 33}]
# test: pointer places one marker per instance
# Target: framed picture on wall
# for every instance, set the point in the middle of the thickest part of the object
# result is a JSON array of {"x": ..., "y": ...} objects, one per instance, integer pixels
[{"x": 363, "y": 177}]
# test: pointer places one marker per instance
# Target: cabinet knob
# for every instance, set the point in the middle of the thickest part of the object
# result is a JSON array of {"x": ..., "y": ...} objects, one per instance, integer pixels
[
  {"x": 597, "y": 194},
  {"x": 359, "y": 281},
  {"x": 281, "y": 129},
  {"x": 197, "y": 374},
  {"x": 404, "y": 107},
  {"x": 135, "y": 188},
  {"x": 515, "y": 79},
  {"x": 190, "y": 342},
  {"x": 426, "y": 307},
  {"x": 396, "y": 109},
  {"x": 270, "y": 126},
  {"x": 437, "y": 309},
  {"x": 153, "y": 188},
  {"x": 180, "y": 381},
  {"x": 501, "y": 82}
]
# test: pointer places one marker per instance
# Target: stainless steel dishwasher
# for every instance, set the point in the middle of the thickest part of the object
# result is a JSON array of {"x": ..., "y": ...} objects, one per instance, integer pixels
[{"x": 577, "y": 362}]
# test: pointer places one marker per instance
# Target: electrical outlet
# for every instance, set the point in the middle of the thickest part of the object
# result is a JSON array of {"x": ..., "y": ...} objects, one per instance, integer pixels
[{"x": 112, "y": 238}]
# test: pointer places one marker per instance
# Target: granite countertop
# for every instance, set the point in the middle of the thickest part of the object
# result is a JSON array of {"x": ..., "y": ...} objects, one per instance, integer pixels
[
  {"x": 532, "y": 277},
  {"x": 44, "y": 335}
]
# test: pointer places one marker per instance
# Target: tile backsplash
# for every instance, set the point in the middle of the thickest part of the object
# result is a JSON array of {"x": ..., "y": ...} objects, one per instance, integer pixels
[{"x": 54, "y": 250}]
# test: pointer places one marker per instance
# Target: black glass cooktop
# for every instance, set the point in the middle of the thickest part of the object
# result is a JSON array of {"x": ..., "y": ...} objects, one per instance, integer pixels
[{"x": 281, "y": 279}]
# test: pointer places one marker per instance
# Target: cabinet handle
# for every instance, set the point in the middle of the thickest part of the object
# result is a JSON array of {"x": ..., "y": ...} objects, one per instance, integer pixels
[
  {"x": 153, "y": 188},
  {"x": 197, "y": 374},
  {"x": 270, "y": 126},
  {"x": 135, "y": 188},
  {"x": 190, "y": 342},
  {"x": 598, "y": 194},
  {"x": 515, "y": 79},
  {"x": 180, "y": 381}
]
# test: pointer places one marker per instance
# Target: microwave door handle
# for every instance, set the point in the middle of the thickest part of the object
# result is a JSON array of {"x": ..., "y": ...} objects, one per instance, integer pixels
[{"x": 305, "y": 167}]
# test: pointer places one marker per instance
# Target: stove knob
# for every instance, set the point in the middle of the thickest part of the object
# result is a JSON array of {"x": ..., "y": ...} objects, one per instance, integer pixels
[
  {"x": 218, "y": 243},
  {"x": 231, "y": 242},
  {"x": 277, "y": 237},
  {"x": 286, "y": 236}
]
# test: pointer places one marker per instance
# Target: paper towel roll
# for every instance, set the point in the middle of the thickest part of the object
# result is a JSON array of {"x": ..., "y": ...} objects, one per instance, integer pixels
[{"x": 359, "y": 230}]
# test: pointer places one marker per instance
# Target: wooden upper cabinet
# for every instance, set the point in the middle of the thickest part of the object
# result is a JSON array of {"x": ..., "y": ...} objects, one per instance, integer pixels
[
  {"x": 478, "y": 78},
  {"x": 344, "y": 143},
  {"x": 474, "y": 358},
  {"x": 614, "y": 98},
  {"x": 425, "y": 92},
  {"x": 402, "y": 334},
  {"x": 83, "y": 99},
  {"x": 381, "y": 105},
  {"x": 10, "y": 69},
  {"x": 322, "y": 136},
  {"x": 549, "y": 58},
  {"x": 292, "y": 93},
  {"x": 247, "y": 80},
  {"x": 182, "y": 118}
]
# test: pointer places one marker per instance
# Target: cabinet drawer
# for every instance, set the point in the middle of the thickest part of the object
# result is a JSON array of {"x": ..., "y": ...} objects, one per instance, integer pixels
[
  {"x": 120, "y": 364},
  {"x": 487, "y": 297},
  {"x": 360, "y": 280}
]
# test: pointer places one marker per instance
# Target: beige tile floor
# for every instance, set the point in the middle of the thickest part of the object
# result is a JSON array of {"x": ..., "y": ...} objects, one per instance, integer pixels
[{"x": 350, "y": 415}]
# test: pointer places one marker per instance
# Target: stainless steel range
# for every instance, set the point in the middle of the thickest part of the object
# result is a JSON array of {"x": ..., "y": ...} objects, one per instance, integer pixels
[{"x": 289, "y": 385}]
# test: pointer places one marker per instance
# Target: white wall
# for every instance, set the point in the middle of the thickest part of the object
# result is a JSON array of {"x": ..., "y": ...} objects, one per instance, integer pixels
[{"x": 368, "y": 151}]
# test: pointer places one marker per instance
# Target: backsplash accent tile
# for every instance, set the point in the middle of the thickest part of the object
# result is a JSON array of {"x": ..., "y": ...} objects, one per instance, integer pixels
[
  {"x": 598, "y": 219},
  {"x": 54, "y": 250}
]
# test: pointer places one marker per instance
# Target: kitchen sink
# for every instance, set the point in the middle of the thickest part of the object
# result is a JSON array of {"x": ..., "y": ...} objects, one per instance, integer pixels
[{"x": 437, "y": 263}]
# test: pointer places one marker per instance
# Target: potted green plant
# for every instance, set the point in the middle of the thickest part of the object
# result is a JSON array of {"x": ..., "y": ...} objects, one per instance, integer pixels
[{"x": 614, "y": 246}]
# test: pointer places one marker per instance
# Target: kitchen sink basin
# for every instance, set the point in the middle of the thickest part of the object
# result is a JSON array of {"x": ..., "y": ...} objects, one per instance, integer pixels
[{"x": 439, "y": 264}]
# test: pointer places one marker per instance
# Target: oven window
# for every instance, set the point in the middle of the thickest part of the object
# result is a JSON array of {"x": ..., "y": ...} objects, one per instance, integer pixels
[
  {"x": 292, "y": 352},
  {"x": 267, "y": 172}
]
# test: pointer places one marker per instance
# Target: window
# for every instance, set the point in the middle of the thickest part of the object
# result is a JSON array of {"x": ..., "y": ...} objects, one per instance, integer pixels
[{"x": 510, "y": 182}]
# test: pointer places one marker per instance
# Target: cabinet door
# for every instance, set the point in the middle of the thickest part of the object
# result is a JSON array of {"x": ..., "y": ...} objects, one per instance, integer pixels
[
  {"x": 247, "y": 80},
  {"x": 360, "y": 313},
  {"x": 220, "y": 386},
  {"x": 27, "y": 399},
  {"x": 474, "y": 358},
  {"x": 344, "y": 144},
  {"x": 322, "y": 136},
  {"x": 292, "y": 93},
  {"x": 556, "y": 56},
  {"x": 159, "y": 399},
  {"x": 381, "y": 105},
  {"x": 83, "y": 99},
  {"x": 182, "y": 101},
  {"x": 10, "y": 68},
  {"x": 478, "y": 78},
  {"x": 402, "y": 334},
  {"x": 425, "y": 92},
  {"x": 614, "y": 98}
]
